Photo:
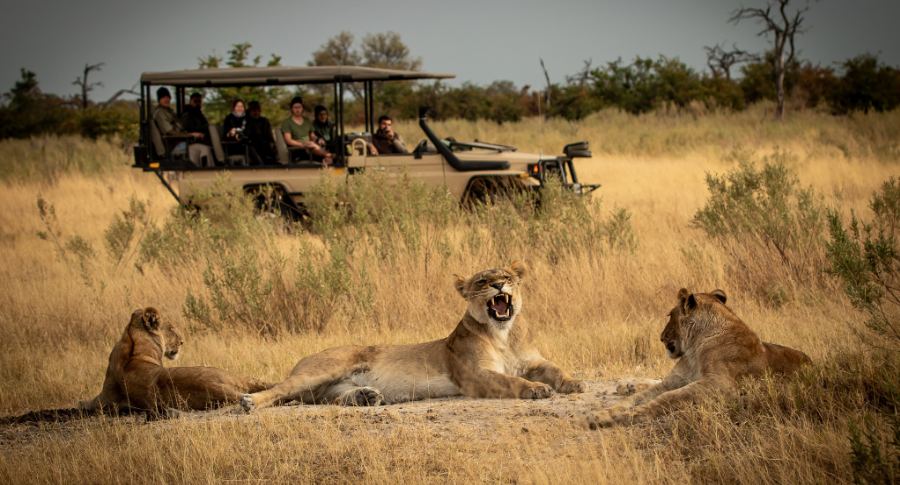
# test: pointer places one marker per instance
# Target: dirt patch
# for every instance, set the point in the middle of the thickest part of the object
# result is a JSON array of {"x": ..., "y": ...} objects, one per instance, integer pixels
[{"x": 442, "y": 415}]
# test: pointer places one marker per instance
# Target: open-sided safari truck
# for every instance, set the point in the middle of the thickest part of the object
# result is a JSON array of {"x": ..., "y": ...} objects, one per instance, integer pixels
[{"x": 469, "y": 170}]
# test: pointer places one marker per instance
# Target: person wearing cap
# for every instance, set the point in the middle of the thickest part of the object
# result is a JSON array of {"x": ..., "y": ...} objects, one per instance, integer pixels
[
  {"x": 169, "y": 125},
  {"x": 296, "y": 132},
  {"x": 193, "y": 119},
  {"x": 322, "y": 130},
  {"x": 259, "y": 132}
]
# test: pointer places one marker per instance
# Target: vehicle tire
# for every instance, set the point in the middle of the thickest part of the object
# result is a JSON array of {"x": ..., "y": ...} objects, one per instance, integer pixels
[{"x": 490, "y": 190}]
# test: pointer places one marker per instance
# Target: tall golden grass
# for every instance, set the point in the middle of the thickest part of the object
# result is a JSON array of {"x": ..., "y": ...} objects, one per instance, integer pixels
[{"x": 595, "y": 311}]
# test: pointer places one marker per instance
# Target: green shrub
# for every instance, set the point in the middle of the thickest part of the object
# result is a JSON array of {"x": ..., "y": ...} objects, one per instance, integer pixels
[{"x": 771, "y": 228}]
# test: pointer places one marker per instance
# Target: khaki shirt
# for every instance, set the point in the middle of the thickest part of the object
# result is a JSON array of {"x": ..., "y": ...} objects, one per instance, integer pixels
[{"x": 166, "y": 121}]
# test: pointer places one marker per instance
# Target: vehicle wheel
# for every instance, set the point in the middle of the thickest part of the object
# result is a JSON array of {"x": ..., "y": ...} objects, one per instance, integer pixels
[{"x": 491, "y": 190}]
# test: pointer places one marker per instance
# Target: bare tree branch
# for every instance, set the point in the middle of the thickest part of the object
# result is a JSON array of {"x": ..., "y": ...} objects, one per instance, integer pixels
[
  {"x": 114, "y": 97},
  {"x": 85, "y": 86},
  {"x": 784, "y": 29}
]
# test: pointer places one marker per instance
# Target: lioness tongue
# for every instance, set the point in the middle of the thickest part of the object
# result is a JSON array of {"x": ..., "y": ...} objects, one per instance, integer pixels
[{"x": 499, "y": 305}]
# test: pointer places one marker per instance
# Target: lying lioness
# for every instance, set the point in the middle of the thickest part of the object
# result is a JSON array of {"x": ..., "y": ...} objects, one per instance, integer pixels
[
  {"x": 136, "y": 378},
  {"x": 489, "y": 355},
  {"x": 714, "y": 349}
]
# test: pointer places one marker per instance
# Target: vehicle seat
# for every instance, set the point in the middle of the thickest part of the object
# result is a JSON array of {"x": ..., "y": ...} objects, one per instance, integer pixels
[
  {"x": 216, "y": 133},
  {"x": 281, "y": 147},
  {"x": 284, "y": 153},
  {"x": 215, "y": 139},
  {"x": 160, "y": 146}
]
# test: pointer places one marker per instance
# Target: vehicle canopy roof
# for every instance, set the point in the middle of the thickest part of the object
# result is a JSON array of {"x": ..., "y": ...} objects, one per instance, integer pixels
[{"x": 278, "y": 75}]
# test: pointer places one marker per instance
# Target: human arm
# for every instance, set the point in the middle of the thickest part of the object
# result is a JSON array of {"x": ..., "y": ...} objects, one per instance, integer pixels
[{"x": 399, "y": 144}]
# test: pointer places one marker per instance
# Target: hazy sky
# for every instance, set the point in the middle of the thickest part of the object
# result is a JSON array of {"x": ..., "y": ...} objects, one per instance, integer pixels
[{"x": 478, "y": 40}]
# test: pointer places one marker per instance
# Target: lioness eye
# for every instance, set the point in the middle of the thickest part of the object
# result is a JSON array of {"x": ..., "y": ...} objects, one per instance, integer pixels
[{"x": 481, "y": 282}]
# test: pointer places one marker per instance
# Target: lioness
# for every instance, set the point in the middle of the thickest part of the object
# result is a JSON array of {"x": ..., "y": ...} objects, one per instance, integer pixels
[
  {"x": 490, "y": 355},
  {"x": 136, "y": 378},
  {"x": 716, "y": 349}
]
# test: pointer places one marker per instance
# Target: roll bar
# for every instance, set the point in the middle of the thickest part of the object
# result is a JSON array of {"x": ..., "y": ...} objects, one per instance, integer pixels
[{"x": 452, "y": 159}]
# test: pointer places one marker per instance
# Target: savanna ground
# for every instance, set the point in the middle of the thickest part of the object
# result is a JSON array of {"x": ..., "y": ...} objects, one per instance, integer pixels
[{"x": 254, "y": 296}]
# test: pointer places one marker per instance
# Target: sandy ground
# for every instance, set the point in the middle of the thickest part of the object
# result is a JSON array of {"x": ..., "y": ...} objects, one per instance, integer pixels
[{"x": 440, "y": 416}]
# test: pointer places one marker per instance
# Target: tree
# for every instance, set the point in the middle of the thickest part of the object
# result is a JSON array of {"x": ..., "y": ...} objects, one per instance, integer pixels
[
  {"x": 784, "y": 27},
  {"x": 219, "y": 103},
  {"x": 85, "y": 86},
  {"x": 386, "y": 50},
  {"x": 338, "y": 51},
  {"x": 720, "y": 61},
  {"x": 866, "y": 84}
]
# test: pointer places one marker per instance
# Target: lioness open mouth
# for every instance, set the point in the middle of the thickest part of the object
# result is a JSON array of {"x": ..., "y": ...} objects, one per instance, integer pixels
[{"x": 499, "y": 307}]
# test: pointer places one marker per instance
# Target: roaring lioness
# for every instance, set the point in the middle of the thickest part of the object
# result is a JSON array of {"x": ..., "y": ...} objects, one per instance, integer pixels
[
  {"x": 716, "y": 349},
  {"x": 136, "y": 378},
  {"x": 489, "y": 355}
]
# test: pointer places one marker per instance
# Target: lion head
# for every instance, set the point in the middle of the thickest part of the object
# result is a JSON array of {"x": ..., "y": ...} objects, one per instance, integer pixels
[
  {"x": 166, "y": 337},
  {"x": 493, "y": 296},
  {"x": 682, "y": 318}
]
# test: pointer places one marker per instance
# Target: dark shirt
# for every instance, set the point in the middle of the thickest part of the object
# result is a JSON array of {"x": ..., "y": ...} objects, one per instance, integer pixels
[
  {"x": 324, "y": 131},
  {"x": 232, "y": 121},
  {"x": 193, "y": 120},
  {"x": 385, "y": 146},
  {"x": 259, "y": 130}
]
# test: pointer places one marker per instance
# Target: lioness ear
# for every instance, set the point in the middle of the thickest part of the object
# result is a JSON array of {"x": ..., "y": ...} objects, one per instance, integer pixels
[
  {"x": 690, "y": 303},
  {"x": 720, "y": 295},
  {"x": 687, "y": 299},
  {"x": 151, "y": 318},
  {"x": 519, "y": 268},
  {"x": 460, "y": 285}
]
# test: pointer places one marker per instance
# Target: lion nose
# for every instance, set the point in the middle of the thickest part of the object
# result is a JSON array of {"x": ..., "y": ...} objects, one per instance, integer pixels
[{"x": 498, "y": 285}]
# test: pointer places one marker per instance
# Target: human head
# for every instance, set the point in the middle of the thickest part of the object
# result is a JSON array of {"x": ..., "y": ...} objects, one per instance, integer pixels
[
  {"x": 297, "y": 106},
  {"x": 164, "y": 96},
  {"x": 237, "y": 107},
  {"x": 196, "y": 100},
  {"x": 384, "y": 123},
  {"x": 321, "y": 113},
  {"x": 254, "y": 109}
]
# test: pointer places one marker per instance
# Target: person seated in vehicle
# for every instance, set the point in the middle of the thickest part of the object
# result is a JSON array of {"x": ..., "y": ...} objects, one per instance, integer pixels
[
  {"x": 259, "y": 131},
  {"x": 322, "y": 130},
  {"x": 193, "y": 119},
  {"x": 386, "y": 141},
  {"x": 168, "y": 125},
  {"x": 237, "y": 140},
  {"x": 296, "y": 134}
]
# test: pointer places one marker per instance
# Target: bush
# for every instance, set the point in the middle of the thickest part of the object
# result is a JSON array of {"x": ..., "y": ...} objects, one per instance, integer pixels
[{"x": 771, "y": 228}]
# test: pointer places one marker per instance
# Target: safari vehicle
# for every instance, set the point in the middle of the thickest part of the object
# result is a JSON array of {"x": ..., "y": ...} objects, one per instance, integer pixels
[{"x": 469, "y": 170}]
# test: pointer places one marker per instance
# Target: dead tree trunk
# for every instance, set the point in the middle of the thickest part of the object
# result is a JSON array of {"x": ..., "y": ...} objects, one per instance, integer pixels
[
  {"x": 784, "y": 29},
  {"x": 85, "y": 86}
]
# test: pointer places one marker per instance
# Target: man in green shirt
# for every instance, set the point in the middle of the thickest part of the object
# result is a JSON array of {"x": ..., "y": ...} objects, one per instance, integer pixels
[{"x": 296, "y": 132}]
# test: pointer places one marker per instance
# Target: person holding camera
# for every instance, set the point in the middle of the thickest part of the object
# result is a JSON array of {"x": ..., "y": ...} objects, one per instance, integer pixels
[
  {"x": 386, "y": 141},
  {"x": 296, "y": 133},
  {"x": 237, "y": 141}
]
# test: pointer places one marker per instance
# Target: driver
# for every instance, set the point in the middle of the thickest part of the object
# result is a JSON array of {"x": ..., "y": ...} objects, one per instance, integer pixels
[{"x": 386, "y": 141}]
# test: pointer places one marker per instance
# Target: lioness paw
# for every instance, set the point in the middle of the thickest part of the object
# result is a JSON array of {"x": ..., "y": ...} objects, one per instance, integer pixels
[
  {"x": 600, "y": 419},
  {"x": 625, "y": 387},
  {"x": 366, "y": 396},
  {"x": 571, "y": 386},
  {"x": 247, "y": 403},
  {"x": 539, "y": 391}
]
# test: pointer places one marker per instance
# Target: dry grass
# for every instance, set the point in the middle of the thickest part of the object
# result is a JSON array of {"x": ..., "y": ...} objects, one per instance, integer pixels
[{"x": 597, "y": 314}]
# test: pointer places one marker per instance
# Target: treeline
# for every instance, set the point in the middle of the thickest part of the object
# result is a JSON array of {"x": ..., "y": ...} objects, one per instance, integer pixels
[
  {"x": 858, "y": 84},
  {"x": 27, "y": 111},
  {"x": 862, "y": 83}
]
